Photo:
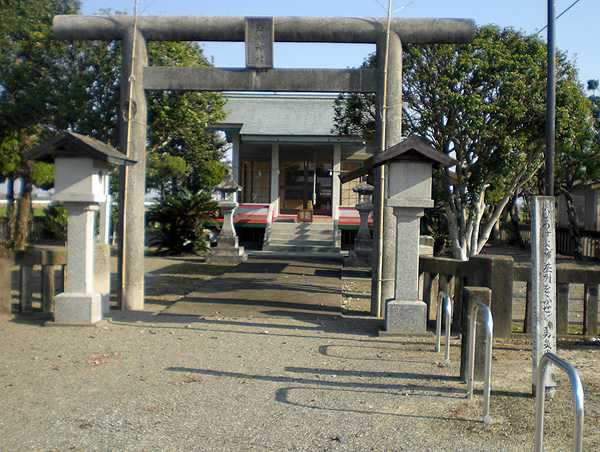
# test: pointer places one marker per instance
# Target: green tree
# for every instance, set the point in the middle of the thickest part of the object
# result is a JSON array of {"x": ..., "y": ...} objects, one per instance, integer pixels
[
  {"x": 578, "y": 149},
  {"x": 181, "y": 153},
  {"x": 47, "y": 86},
  {"x": 27, "y": 70},
  {"x": 483, "y": 104}
]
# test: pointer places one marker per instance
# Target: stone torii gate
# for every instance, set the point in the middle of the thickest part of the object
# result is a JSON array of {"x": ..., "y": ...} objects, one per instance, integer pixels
[{"x": 259, "y": 34}]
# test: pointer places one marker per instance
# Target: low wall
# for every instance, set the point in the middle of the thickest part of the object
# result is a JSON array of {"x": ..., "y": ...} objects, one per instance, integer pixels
[
  {"x": 498, "y": 273},
  {"x": 51, "y": 263}
]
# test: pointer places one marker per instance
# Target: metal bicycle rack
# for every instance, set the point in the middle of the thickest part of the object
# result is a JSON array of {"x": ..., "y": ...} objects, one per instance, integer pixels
[
  {"x": 444, "y": 306},
  {"x": 488, "y": 324},
  {"x": 577, "y": 391}
]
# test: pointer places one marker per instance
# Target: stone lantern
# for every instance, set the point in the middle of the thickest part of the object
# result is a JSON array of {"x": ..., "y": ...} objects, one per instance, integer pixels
[
  {"x": 363, "y": 243},
  {"x": 409, "y": 175},
  {"x": 227, "y": 251},
  {"x": 82, "y": 165}
]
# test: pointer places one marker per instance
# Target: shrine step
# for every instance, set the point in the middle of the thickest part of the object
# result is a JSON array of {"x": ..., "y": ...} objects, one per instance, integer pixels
[
  {"x": 295, "y": 238},
  {"x": 324, "y": 236},
  {"x": 301, "y": 249},
  {"x": 300, "y": 242}
]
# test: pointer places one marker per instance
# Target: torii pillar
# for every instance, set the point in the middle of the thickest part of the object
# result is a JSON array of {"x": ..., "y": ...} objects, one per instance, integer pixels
[
  {"x": 259, "y": 35},
  {"x": 132, "y": 137},
  {"x": 393, "y": 135}
]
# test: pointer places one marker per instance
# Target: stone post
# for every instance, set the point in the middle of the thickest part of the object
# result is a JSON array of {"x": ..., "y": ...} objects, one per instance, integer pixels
[
  {"x": 133, "y": 179},
  {"x": 48, "y": 287},
  {"x": 562, "y": 309},
  {"x": 425, "y": 249},
  {"x": 336, "y": 193},
  {"x": 102, "y": 275},
  {"x": 25, "y": 289},
  {"x": 336, "y": 185},
  {"x": 495, "y": 272},
  {"x": 393, "y": 135},
  {"x": 235, "y": 157},
  {"x": 471, "y": 296},
  {"x": 7, "y": 262},
  {"x": 274, "y": 178},
  {"x": 362, "y": 253},
  {"x": 406, "y": 314},
  {"x": 79, "y": 304},
  {"x": 590, "y": 310},
  {"x": 105, "y": 214},
  {"x": 543, "y": 280}
]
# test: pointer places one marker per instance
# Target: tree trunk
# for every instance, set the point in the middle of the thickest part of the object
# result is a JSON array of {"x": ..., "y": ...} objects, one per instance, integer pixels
[
  {"x": 515, "y": 224},
  {"x": 456, "y": 235},
  {"x": 11, "y": 212},
  {"x": 23, "y": 215},
  {"x": 573, "y": 225},
  {"x": 496, "y": 235}
]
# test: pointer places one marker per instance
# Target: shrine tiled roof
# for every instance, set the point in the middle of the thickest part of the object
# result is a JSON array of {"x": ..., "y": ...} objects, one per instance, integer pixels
[{"x": 280, "y": 115}]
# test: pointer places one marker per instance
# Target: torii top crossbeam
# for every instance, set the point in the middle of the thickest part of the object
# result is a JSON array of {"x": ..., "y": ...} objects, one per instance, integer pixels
[{"x": 287, "y": 29}]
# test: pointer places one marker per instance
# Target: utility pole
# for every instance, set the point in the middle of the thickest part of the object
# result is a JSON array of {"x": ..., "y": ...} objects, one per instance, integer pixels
[
  {"x": 550, "y": 102},
  {"x": 543, "y": 231}
]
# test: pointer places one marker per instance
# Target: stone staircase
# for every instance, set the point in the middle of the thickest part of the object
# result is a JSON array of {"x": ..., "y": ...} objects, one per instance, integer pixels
[{"x": 301, "y": 238}]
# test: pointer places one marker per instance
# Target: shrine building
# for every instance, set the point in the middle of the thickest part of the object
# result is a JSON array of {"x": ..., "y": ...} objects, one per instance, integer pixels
[{"x": 287, "y": 157}]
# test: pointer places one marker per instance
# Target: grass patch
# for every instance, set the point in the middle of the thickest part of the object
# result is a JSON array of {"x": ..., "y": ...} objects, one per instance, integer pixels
[
  {"x": 518, "y": 327},
  {"x": 38, "y": 212}
]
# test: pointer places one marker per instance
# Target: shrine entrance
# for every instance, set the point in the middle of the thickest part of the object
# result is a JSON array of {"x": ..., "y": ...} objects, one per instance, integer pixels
[
  {"x": 306, "y": 176},
  {"x": 259, "y": 35}
]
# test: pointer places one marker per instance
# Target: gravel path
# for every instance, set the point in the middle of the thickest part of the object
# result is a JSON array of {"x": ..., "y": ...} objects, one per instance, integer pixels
[
  {"x": 261, "y": 384},
  {"x": 151, "y": 381}
]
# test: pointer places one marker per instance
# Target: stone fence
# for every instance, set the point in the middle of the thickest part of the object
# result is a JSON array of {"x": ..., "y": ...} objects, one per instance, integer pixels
[
  {"x": 49, "y": 261},
  {"x": 498, "y": 273},
  {"x": 565, "y": 277},
  {"x": 45, "y": 268},
  {"x": 42, "y": 269}
]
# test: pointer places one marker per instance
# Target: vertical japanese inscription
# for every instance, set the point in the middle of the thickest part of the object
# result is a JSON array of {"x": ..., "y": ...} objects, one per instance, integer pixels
[
  {"x": 260, "y": 34},
  {"x": 543, "y": 279}
]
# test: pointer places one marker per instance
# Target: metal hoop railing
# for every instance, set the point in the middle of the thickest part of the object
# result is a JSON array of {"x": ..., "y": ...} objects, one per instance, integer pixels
[
  {"x": 445, "y": 306},
  {"x": 488, "y": 324},
  {"x": 577, "y": 391}
]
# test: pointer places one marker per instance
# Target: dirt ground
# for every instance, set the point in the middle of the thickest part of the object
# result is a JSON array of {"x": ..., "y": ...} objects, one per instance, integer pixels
[{"x": 152, "y": 381}]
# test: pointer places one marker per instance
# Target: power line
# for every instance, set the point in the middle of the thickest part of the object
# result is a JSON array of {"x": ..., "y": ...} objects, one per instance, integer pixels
[
  {"x": 559, "y": 16},
  {"x": 399, "y": 8}
]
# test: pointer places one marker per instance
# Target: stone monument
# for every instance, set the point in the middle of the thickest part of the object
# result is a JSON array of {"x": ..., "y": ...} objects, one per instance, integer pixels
[
  {"x": 409, "y": 165},
  {"x": 543, "y": 282},
  {"x": 228, "y": 251},
  {"x": 82, "y": 165},
  {"x": 361, "y": 255}
]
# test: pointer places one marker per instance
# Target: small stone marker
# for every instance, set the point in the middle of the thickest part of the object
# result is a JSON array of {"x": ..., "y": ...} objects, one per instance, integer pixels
[
  {"x": 543, "y": 279},
  {"x": 471, "y": 295},
  {"x": 260, "y": 34}
]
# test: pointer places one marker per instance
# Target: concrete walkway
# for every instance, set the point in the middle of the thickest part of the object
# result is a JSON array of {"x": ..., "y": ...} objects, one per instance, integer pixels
[{"x": 267, "y": 287}]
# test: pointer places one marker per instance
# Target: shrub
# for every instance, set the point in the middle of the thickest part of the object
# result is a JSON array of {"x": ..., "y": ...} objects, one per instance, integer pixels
[
  {"x": 178, "y": 221},
  {"x": 54, "y": 222}
]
